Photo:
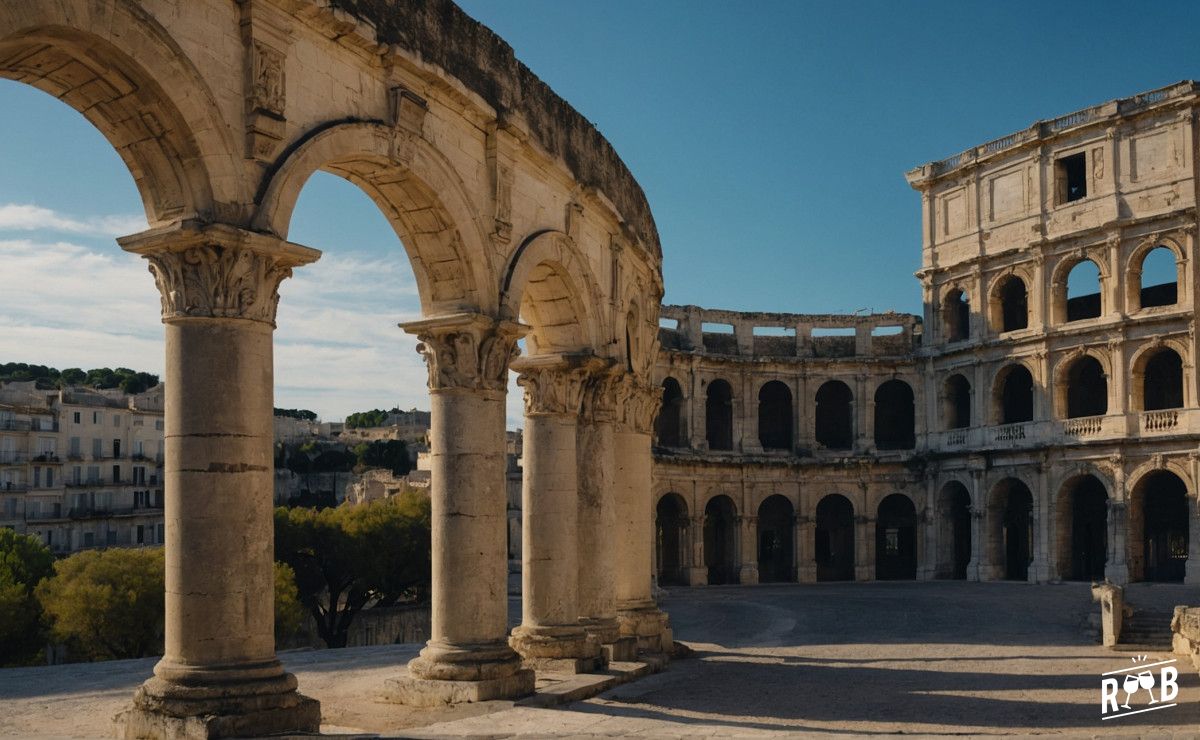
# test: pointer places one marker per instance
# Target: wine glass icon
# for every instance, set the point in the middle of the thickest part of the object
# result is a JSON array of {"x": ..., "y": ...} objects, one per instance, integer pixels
[
  {"x": 1146, "y": 681},
  {"x": 1130, "y": 686}
]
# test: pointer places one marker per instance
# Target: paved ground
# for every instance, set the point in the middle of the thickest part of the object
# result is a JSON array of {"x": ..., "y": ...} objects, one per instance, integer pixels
[{"x": 932, "y": 658}]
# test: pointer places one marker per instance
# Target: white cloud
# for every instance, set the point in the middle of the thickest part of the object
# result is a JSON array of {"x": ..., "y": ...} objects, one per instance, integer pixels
[{"x": 28, "y": 217}]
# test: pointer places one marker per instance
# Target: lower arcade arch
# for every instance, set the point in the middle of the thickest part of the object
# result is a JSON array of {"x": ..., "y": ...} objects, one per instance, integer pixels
[
  {"x": 720, "y": 540},
  {"x": 670, "y": 539},
  {"x": 1159, "y": 515},
  {"x": 1010, "y": 530},
  {"x": 954, "y": 531},
  {"x": 835, "y": 539},
  {"x": 896, "y": 539},
  {"x": 775, "y": 537},
  {"x": 1082, "y": 531}
]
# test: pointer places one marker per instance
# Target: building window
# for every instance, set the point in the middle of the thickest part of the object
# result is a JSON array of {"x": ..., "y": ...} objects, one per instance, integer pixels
[
  {"x": 956, "y": 411},
  {"x": 719, "y": 415},
  {"x": 1087, "y": 389},
  {"x": 1070, "y": 174},
  {"x": 49, "y": 477},
  {"x": 1159, "y": 279},
  {"x": 158, "y": 425},
  {"x": 76, "y": 417},
  {"x": 956, "y": 316},
  {"x": 95, "y": 417}
]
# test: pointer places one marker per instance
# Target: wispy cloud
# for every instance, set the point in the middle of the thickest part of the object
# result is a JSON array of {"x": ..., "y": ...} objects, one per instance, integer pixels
[{"x": 28, "y": 217}]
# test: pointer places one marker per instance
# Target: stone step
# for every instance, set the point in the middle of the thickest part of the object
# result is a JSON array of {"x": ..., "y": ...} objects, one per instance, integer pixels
[{"x": 556, "y": 689}]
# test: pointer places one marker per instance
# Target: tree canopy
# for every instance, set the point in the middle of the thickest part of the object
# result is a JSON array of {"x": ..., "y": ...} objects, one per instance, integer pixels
[
  {"x": 24, "y": 561},
  {"x": 384, "y": 453},
  {"x": 129, "y": 381},
  {"x": 297, "y": 414},
  {"x": 349, "y": 557},
  {"x": 372, "y": 418}
]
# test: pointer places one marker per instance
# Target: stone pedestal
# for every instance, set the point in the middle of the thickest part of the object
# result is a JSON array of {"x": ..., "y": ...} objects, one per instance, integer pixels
[
  {"x": 637, "y": 613},
  {"x": 218, "y": 676},
  {"x": 467, "y": 657},
  {"x": 550, "y": 636}
]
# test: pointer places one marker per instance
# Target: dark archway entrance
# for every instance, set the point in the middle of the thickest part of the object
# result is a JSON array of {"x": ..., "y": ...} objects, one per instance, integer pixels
[
  {"x": 670, "y": 524},
  {"x": 775, "y": 416},
  {"x": 720, "y": 542},
  {"x": 775, "y": 550},
  {"x": 1015, "y": 395},
  {"x": 1083, "y": 530},
  {"x": 1011, "y": 529},
  {"x": 1087, "y": 389},
  {"x": 669, "y": 427},
  {"x": 835, "y": 416},
  {"x": 895, "y": 422},
  {"x": 718, "y": 414},
  {"x": 835, "y": 539},
  {"x": 954, "y": 536},
  {"x": 1161, "y": 514},
  {"x": 896, "y": 539}
]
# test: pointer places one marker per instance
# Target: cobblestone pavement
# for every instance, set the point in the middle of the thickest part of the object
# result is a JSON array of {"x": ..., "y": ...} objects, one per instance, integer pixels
[{"x": 914, "y": 658}]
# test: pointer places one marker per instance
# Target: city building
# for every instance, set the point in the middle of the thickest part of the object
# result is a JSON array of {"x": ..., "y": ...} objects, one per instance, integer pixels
[
  {"x": 82, "y": 468},
  {"x": 1038, "y": 423}
]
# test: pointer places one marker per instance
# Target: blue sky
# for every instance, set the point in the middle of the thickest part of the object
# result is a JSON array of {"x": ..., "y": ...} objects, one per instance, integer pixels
[{"x": 771, "y": 139}]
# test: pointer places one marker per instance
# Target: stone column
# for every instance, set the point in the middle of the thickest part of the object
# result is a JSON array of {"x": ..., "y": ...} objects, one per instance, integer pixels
[
  {"x": 597, "y": 516},
  {"x": 806, "y": 545},
  {"x": 864, "y": 548},
  {"x": 697, "y": 572},
  {"x": 219, "y": 676},
  {"x": 1117, "y": 569},
  {"x": 550, "y": 636},
  {"x": 748, "y": 570},
  {"x": 467, "y": 657},
  {"x": 637, "y": 613}
]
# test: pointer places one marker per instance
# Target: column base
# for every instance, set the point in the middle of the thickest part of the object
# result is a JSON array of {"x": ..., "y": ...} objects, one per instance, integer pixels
[
  {"x": 748, "y": 575},
  {"x": 604, "y": 629},
  {"x": 162, "y": 709},
  {"x": 557, "y": 649},
  {"x": 454, "y": 674},
  {"x": 1117, "y": 574},
  {"x": 697, "y": 576},
  {"x": 649, "y": 625},
  {"x": 621, "y": 650},
  {"x": 806, "y": 574}
]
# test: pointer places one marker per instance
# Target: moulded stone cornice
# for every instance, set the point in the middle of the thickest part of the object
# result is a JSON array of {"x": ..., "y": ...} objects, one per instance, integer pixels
[
  {"x": 468, "y": 351},
  {"x": 217, "y": 271}
]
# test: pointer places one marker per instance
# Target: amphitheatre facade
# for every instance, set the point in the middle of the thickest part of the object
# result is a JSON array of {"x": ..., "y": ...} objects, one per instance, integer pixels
[{"x": 1037, "y": 423}]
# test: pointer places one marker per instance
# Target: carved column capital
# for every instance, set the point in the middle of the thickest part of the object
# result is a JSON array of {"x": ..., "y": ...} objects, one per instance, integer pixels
[
  {"x": 600, "y": 395},
  {"x": 638, "y": 403},
  {"x": 216, "y": 271},
  {"x": 468, "y": 351},
  {"x": 556, "y": 384}
]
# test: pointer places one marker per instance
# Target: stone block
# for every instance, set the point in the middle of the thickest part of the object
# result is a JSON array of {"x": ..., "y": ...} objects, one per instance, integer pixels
[{"x": 425, "y": 692}]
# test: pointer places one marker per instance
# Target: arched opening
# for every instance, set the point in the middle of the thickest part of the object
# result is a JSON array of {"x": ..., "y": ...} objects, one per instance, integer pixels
[
  {"x": 670, "y": 526},
  {"x": 895, "y": 420},
  {"x": 1159, "y": 278},
  {"x": 720, "y": 540},
  {"x": 1011, "y": 529},
  {"x": 1087, "y": 388},
  {"x": 956, "y": 316},
  {"x": 669, "y": 426},
  {"x": 1083, "y": 291},
  {"x": 896, "y": 539},
  {"x": 775, "y": 416},
  {"x": 1082, "y": 529},
  {"x": 775, "y": 550},
  {"x": 954, "y": 531},
  {"x": 718, "y": 415},
  {"x": 1011, "y": 311},
  {"x": 956, "y": 402},
  {"x": 835, "y": 416},
  {"x": 1162, "y": 381},
  {"x": 835, "y": 539},
  {"x": 1158, "y": 528},
  {"x": 1014, "y": 395}
]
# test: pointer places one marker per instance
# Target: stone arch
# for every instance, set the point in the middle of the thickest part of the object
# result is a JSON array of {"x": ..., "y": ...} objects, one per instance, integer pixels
[
  {"x": 1013, "y": 394},
  {"x": 1081, "y": 384},
  {"x": 1081, "y": 531},
  {"x": 669, "y": 428},
  {"x": 956, "y": 402},
  {"x": 1136, "y": 295},
  {"x": 720, "y": 539},
  {"x": 1008, "y": 302},
  {"x": 1010, "y": 534},
  {"x": 896, "y": 525},
  {"x": 775, "y": 415},
  {"x": 421, "y": 198},
  {"x": 1064, "y": 310},
  {"x": 834, "y": 416},
  {"x": 834, "y": 540},
  {"x": 1158, "y": 373},
  {"x": 956, "y": 314},
  {"x": 671, "y": 524},
  {"x": 1160, "y": 510},
  {"x": 895, "y": 416},
  {"x": 718, "y": 414},
  {"x": 954, "y": 513},
  {"x": 549, "y": 284},
  {"x": 776, "y": 561},
  {"x": 155, "y": 110}
]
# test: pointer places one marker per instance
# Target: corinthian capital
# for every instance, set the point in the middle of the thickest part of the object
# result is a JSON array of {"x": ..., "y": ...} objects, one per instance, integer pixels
[
  {"x": 215, "y": 271},
  {"x": 467, "y": 351},
  {"x": 556, "y": 384},
  {"x": 601, "y": 393},
  {"x": 638, "y": 403}
]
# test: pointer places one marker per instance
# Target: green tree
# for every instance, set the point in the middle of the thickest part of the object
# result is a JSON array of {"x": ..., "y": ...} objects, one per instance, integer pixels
[
  {"x": 372, "y": 418},
  {"x": 24, "y": 561},
  {"x": 107, "y": 604},
  {"x": 391, "y": 454},
  {"x": 349, "y": 557},
  {"x": 289, "y": 612},
  {"x": 72, "y": 376}
]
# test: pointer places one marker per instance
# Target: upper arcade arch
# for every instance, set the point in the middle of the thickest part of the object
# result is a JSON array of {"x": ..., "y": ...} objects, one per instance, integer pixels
[
  {"x": 1144, "y": 288},
  {"x": 1078, "y": 289},
  {"x": 550, "y": 284},
  {"x": 1008, "y": 303}
]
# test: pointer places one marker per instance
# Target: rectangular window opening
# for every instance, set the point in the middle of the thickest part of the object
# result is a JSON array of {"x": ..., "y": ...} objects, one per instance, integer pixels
[
  {"x": 708, "y": 328},
  {"x": 774, "y": 331},
  {"x": 887, "y": 331},
  {"x": 665, "y": 323},
  {"x": 1071, "y": 175},
  {"x": 830, "y": 331}
]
